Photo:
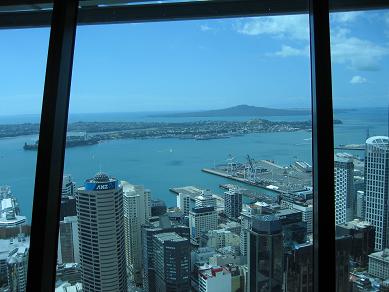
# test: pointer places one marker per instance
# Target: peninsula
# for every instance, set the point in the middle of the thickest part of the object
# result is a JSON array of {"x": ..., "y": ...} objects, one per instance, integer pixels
[{"x": 198, "y": 130}]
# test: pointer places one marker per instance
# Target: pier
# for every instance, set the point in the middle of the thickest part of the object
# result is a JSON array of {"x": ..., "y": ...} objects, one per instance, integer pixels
[{"x": 267, "y": 175}]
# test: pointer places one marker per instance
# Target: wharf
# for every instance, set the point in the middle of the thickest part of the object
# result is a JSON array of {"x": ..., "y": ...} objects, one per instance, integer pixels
[
  {"x": 250, "y": 194},
  {"x": 271, "y": 176},
  {"x": 359, "y": 147}
]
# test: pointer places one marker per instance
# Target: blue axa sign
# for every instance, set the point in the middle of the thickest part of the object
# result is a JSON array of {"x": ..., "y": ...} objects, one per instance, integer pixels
[{"x": 101, "y": 186}]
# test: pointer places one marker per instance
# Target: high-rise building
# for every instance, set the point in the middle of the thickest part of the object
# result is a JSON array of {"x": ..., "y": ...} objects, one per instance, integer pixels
[
  {"x": 158, "y": 207},
  {"x": 359, "y": 197},
  {"x": 101, "y": 234},
  {"x": 215, "y": 279},
  {"x": 17, "y": 265},
  {"x": 70, "y": 272},
  {"x": 185, "y": 202},
  {"x": 148, "y": 233},
  {"x": 344, "y": 189},
  {"x": 201, "y": 220},
  {"x": 220, "y": 238},
  {"x": 376, "y": 187},
  {"x": 361, "y": 205},
  {"x": 379, "y": 264},
  {"x": 206, "y": 199},
  {"x": 136, "y": 205},
  {"x": 68, "y": 200},
  {"x": 68, "y": 244},
  {"x": 13, "y": 263},
  {"x": 343, "y": 247},
  {"x": 172, "y": 262},
  {"x": 362, "y": 240},
  {"x": 265, "y": 254},
  {"x": 299, "y": 268},
  {"x": 232, "y": 203},
  {"x": 68, "y": 186}
]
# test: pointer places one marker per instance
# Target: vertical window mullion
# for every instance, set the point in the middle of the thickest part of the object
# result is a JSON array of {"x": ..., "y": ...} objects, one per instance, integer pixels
[
  {"x": 51, "y": 149},
  {"x": 322, "y": 148}
]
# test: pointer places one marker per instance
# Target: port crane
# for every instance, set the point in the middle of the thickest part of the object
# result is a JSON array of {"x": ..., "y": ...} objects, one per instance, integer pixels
[
  {"x": 250, "y": 171},
  {"x": 231, "y": 165}
]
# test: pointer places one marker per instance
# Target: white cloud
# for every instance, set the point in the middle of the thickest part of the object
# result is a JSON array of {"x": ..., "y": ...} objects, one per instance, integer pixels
[
  {"x": 345, "y": 17},
  {"x": 359, "y": 54},
  {"x": 287, "y": 51},
  {"x": 362, "y": 55},
  {"x": 358, "y": 79},
  {"x": 290, "y": 26},
  {"x": 205, "y": 27}
]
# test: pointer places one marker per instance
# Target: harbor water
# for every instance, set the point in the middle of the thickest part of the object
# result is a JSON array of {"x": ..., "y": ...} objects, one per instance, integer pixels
[{"x": 160, "y": 164}]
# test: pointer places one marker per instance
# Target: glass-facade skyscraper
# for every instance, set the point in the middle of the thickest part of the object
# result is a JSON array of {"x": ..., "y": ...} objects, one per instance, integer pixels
[{"x": 265, "y": 255}]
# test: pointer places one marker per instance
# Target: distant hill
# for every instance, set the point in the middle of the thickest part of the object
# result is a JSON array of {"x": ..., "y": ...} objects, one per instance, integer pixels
[{"x": 240, "y": 110}]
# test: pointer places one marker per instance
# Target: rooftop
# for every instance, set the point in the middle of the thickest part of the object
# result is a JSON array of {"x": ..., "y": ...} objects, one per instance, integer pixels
[
  {"x": 381, "y": 255},
  {"x": 169, "y": 236},
  {"x": 378, "y": 141}
]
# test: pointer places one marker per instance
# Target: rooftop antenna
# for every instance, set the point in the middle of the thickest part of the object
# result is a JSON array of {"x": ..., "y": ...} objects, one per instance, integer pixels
[{"x": 367, "y": 133}]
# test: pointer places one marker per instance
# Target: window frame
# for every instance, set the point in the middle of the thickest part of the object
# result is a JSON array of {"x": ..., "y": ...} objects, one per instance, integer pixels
[{"x": 63, "y": 20}]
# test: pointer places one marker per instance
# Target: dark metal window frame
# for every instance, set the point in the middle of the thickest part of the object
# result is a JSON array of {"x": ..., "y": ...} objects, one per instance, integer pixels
[{"x": 50, "y": 162}]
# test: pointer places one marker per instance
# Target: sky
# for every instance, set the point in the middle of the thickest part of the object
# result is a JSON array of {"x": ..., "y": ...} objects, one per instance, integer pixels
[{"x": 200, "y": 65}]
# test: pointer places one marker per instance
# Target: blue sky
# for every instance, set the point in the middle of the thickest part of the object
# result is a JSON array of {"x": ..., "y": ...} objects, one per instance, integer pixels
[{"x": 205, "y": 64}]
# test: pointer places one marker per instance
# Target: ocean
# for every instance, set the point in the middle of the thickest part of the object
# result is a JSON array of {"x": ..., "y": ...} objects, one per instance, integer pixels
[{"x": 160, "y": 164}]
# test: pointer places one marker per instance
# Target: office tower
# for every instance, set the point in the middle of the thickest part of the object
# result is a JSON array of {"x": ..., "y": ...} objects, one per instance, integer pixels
[
  {"x": 68, "y": 186},
  {"x": 68, "y": 200},
  {"x": 185, "y": 202},
  {"x": 265, "y": 254},
  {"x": 101, "y": 234},
  {"x": 361, "y": 205},
  {"x": 359, "y": 197},
  {"x": 300, "y": 201},
  {"x": 201, "y": 220},
  {"x": 343, "y": 247},
  {"x": 344, "y": 189},
  {"x": 206, "y": 199},
  {"x": 379, "y": 264},
  {"x": 299, "y": 268},
  {"x": 70, "y": 272},
  {"x": 9, "y": 217},
  {"x": 376, "y": 187},
  {"x": 246, "y": 222},
  {"x": 232, "y": 204},
  {"x": 172, "y": 262},
  {"x": 158, "y": 207},
  {"x": 148, "y": 233},
  {"x": 362, "y": 240},
  {"x": 293, "y": 228},
  {"x": 13, "y": 263},
  {"x": 136, "y": 205},
  {"x": 17, "y": 265},
  {"x": 215, "y": 279},
  {"x": 220, "y": 238},
  {"x": 68, "y": 244}
]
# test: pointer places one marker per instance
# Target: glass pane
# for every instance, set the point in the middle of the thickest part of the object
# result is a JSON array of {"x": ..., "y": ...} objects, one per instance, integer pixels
[
  {"x": 359, "y": 50},
  {"x": 189, "y": 157},
  {"x": 22, "y": 74}
]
